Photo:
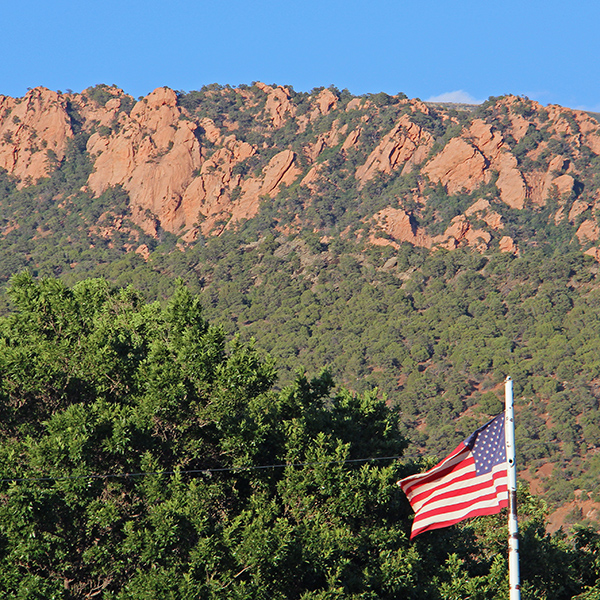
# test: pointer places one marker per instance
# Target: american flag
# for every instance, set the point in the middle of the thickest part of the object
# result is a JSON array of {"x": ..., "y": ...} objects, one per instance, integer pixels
[{"x": 470, "y": 482}]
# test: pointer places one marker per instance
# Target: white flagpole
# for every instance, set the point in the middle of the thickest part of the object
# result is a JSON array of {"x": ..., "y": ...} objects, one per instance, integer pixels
[{"x": 511, "y": 468}]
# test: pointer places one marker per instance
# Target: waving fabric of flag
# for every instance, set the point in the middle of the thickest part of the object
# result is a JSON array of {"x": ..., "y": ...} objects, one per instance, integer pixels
[{"x": 470, "y": 482}]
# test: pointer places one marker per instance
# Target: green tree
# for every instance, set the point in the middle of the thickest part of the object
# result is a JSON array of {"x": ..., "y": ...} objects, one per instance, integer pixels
[{"x": 142, "y": 454}]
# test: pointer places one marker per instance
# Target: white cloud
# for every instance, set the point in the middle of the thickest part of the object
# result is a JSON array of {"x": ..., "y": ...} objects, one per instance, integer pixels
[
  {"x": 595, "y": 109},
  {"x": 459, "y": 96}
]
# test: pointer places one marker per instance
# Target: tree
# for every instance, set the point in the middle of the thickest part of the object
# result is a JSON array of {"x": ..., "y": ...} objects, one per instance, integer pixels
[
  {"x": 96, "y": 384},
  {"x": 143, "y": 455}
]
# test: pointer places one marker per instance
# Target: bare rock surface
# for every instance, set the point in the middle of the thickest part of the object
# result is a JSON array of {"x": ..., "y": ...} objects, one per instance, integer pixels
[{"x": 199, "y": 173}]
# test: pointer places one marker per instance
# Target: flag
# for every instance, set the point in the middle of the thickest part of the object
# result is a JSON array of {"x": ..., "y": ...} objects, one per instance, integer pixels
[{"x": 470, "y": 482}]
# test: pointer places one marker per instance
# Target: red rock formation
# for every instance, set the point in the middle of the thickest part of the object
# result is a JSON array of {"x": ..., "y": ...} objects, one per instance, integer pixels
[
  {"x": 278, "y": 103},
  {"x": 588, "y": 231},
  {"x": 279, "y": 170},
  {"x": 594, "y": 252},
  {"x": 398, "y": 224},
  {"x": 481, "y": 209},
  {"x": 461, "y": 232},
  {"x": 153, "y": 156},
  {"x": 578, "y": 208},
  {"x": 327, "y": 140},
  {"x": 459, "y": 166},
  {"x": 470, "y": 161},
  {"x": 507, "y": 244},
  {"x": 351, "y": 140},
  {"x": 189, "y": 174},
  {"x": 33, "y": 134},
  {"x": 405, "y": 146},
  {"x": 326, "y": 101}
]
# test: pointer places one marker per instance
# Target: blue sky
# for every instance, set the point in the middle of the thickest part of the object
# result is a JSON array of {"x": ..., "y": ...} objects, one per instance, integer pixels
[{"x": 541, "y": 49}]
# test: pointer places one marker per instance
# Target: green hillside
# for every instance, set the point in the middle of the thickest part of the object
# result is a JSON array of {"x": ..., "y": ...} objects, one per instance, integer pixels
[
  {"x": 430, "y": 332},
  {"x": 146, "y": 455}
]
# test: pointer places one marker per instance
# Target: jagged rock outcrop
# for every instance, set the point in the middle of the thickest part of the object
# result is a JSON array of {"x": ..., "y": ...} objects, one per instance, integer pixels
[
  {"x": 278, "y": 105},
  {"x": 153, "y": 156},
  {"x": 33, "y": 134},
  {"x": 214, "y": 206},
  {"x": 199, "y": 164},
  {"x": 460, "y": 166},
  {"x": 404, "y": 147},
  {"x": 481, "y": 210},
  {"x": 466, "y": 164},
  {"x": 399, "y": 226}
]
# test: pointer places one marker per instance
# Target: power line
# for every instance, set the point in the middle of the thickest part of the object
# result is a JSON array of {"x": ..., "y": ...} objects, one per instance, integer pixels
[{"x": 193, "y": 471}]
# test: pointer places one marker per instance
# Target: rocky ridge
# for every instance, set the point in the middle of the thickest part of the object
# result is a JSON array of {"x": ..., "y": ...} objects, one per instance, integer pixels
[{"x": 195, "y": 164}]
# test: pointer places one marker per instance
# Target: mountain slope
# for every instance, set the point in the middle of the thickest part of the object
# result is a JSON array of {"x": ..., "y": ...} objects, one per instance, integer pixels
[
  {"x": 427, "y": 250},
  {"x": 389, "y": 168}
]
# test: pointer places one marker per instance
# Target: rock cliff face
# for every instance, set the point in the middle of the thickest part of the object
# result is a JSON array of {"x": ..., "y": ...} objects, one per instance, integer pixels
[
  {"x": 33, "y": 134},
  {"x": 195, "y": 164}
]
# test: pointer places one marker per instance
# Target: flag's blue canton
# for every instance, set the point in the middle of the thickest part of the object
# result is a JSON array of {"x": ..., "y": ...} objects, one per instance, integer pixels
[{"x": 488, "y": 445}]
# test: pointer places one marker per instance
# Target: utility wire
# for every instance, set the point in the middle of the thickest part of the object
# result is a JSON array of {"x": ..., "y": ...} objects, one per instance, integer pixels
[{"x": 194, "y": 471}]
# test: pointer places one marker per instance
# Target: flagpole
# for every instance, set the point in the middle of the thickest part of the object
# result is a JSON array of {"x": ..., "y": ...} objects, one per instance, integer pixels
[{"x": 511, "y": 468}]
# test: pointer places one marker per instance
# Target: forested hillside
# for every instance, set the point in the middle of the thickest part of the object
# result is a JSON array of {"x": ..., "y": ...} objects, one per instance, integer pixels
[
  {"x": 145, "y": 455},
  {"x": 418, "y": 252}
]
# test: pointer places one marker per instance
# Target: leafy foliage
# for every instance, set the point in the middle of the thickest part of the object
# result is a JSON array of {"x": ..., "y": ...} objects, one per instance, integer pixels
[
  {"x": 96, "y": 383},
  {"x": 144, "y": 455},
  {"x": 431, "y": 333}
]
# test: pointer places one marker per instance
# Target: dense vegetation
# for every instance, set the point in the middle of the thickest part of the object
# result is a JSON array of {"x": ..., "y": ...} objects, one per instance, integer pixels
[
  {"x": 436, "y": 333},
  {"x": 432, "y": 334},
  {"x": 145, "y": 455},
  {"x": 52, "y": 227}
]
